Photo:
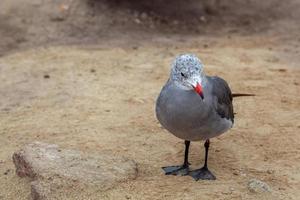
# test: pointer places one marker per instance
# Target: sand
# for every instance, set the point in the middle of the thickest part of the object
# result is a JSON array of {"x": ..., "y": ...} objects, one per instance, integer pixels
[{"x": 101, "y": 98}]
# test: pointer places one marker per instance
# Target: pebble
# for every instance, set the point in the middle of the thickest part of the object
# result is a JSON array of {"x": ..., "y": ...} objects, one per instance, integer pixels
[
  {"x": 257, "y": 186},
  {"x": 138, "y": 21}
]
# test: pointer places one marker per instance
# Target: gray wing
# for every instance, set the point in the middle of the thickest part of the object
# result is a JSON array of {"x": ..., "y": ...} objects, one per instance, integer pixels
[{"x": 222, "y": 92}]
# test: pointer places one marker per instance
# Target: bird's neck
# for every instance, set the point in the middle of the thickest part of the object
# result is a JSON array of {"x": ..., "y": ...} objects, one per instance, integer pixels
[{"x": 204, "y": 80}]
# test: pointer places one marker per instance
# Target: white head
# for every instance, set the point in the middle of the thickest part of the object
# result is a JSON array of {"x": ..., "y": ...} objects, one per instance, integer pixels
[{"x": 187, "y": 72}]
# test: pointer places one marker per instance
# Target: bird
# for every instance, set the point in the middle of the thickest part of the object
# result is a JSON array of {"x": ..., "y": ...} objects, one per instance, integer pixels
[{"x": 194, "y": 107}]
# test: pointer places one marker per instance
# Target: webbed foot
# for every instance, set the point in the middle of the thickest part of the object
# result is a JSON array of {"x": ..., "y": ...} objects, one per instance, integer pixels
[
  {"x": 203, "y": 174},
  {"x": 181, "y": 170}
]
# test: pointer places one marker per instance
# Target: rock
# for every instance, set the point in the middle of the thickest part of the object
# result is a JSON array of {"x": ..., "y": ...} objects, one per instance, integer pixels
[
  {"x": 137, "y": 21},
  {"x": 258, "y": 186},
  {"x": 203, "y": 18},
  {"x": 40, "y": 190},
  {"x": 52, "y": 169}
]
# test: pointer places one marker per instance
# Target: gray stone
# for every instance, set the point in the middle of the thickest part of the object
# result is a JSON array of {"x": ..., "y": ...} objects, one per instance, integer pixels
[
  {"x": 258, "y": 186},
  {"x": 51, "y": 168},
  {"x": 40, "y": 190}
]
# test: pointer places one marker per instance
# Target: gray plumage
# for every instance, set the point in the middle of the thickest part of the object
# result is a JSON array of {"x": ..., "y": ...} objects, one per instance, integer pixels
[{"x": 183, "y": 112}]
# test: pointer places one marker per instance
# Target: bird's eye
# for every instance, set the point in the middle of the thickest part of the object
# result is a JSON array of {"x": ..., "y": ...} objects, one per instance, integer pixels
[{"x": 182, "y": 74}]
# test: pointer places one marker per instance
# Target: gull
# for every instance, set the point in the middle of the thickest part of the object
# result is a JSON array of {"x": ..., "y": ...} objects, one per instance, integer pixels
[{"x": 194, "y": 107}]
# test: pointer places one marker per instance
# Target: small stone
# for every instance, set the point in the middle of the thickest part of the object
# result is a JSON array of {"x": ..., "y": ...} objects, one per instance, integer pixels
[
  {"x": 46, "y": 76},
  {"x": 257, "y": 186},
  {"x": 92, "y": 70},
  {"x": 137, "y": 20},
  {"x": 203, "y": 18},
  {"x": 226, "y": 192},
  {"x": 235, "y": 173}
]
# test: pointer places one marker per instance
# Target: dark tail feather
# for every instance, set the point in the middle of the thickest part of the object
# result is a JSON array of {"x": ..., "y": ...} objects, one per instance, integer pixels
[{"x": 241, "y": 95}]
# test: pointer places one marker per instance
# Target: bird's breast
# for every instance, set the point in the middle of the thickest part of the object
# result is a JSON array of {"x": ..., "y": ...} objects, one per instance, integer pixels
[{"x": 181, "y": 111}]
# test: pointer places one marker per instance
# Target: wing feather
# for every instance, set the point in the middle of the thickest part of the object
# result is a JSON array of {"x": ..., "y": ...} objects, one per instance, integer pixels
[{"x": 222, "y": 92}]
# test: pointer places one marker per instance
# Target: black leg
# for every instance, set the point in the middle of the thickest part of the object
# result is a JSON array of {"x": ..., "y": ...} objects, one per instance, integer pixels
[
  {"x": 203, "y": 173},
  {"x": 181, "y": 169},
  {"x": 206, "y": 145},
  {"x": 186, "y": 153}
]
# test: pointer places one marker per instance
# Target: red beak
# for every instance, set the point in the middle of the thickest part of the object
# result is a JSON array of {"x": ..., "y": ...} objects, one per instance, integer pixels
[{"x": 199, "y": 90}]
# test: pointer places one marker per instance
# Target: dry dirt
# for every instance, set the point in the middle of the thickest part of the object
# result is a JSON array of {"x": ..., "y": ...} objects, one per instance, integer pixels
[{"x": 85, "y": 75}]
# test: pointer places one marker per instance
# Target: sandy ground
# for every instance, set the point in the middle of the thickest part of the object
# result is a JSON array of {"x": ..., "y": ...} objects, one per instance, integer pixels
[{"x": 101, "y": 97}]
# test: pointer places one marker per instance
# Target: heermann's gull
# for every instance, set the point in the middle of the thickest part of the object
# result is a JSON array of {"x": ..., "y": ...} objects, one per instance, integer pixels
[{"x": 193, "y": 106}]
